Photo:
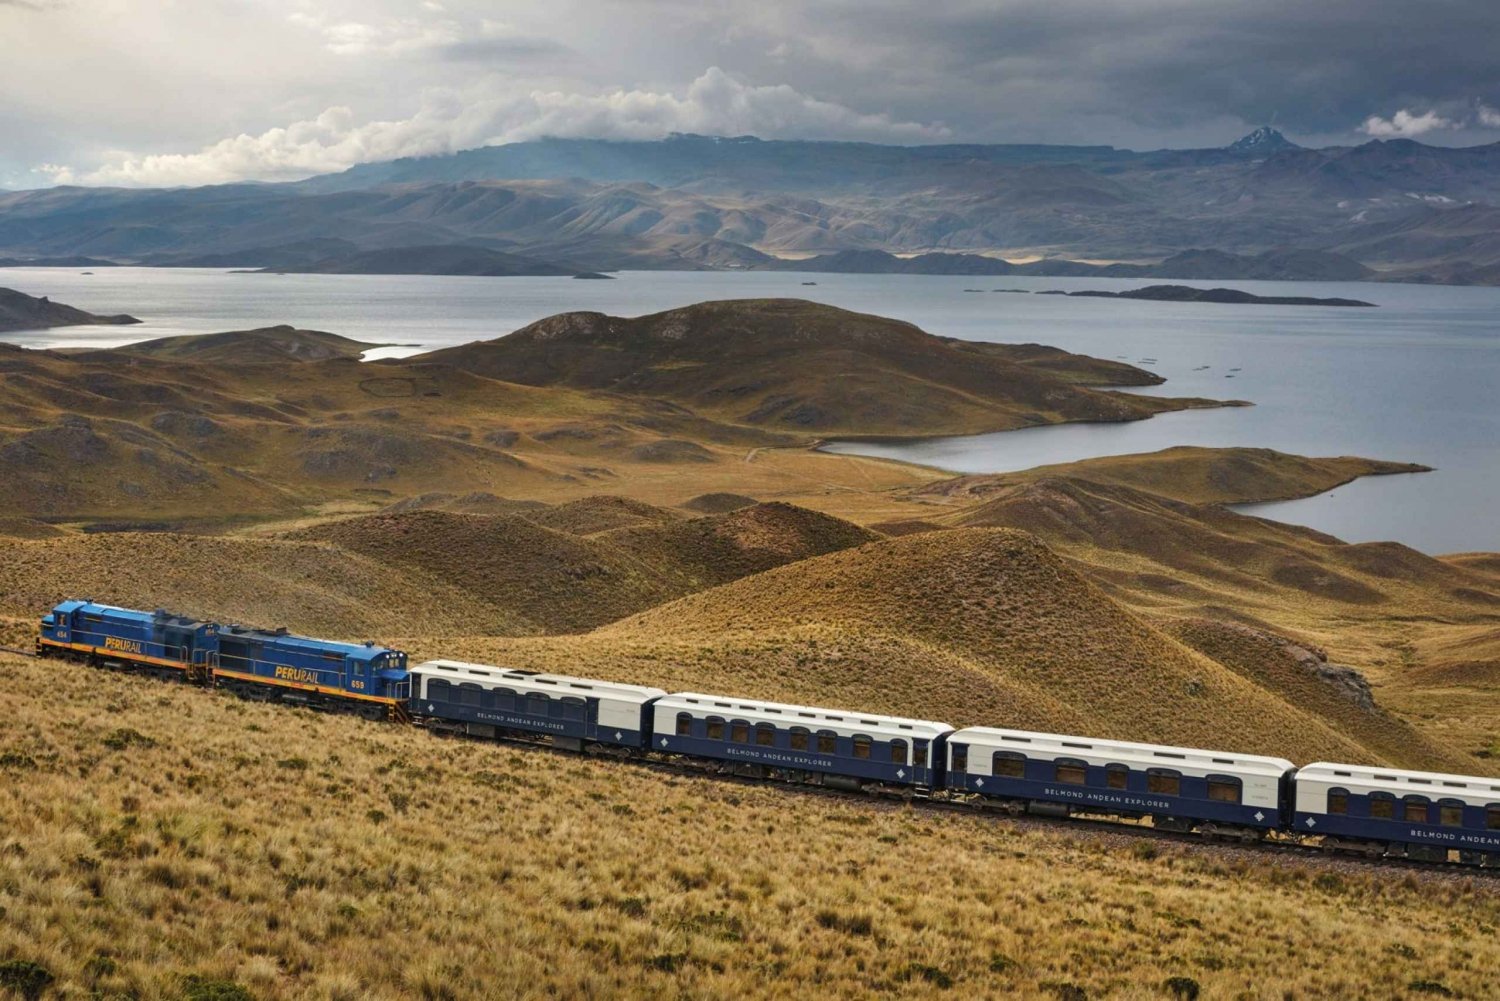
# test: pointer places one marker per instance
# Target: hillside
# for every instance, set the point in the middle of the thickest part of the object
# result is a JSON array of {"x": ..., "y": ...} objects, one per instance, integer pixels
[
  {"x": 540, "y": 579},
  {"x": 798, "y": 366},
  {"x": 252, "y": 347},
  {"x": 1189, "y": 473},
  {"x": 1003, "y": 629},
  {"x": 317, "y": 831},
  {"x": 19, "y": 311}
]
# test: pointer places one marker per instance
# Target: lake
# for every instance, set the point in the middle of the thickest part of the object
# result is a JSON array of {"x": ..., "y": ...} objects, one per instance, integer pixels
[{"x": 1415, "y": 380}]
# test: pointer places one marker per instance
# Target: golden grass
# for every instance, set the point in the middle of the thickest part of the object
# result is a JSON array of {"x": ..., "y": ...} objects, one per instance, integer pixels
[
  {"x": 155, "y": 833},
  {"x": 1192, "y": 474}
]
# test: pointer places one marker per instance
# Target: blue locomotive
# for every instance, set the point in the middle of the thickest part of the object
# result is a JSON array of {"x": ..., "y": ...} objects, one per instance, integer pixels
[{"x": 266, "y": 665}]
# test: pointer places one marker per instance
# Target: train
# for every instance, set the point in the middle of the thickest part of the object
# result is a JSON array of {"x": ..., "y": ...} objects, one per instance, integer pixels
[{"x": 1370, "y": 811}]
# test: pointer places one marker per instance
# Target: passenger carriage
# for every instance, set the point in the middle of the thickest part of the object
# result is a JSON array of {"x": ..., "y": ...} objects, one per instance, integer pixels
[
  {"x": 844, "y": 750},
  {"x": 480, "y": 700},
  {"x": 156, "y": 643},
  {"x": 1419, "y": 815},
  {"x": 1180, "y": 788}
]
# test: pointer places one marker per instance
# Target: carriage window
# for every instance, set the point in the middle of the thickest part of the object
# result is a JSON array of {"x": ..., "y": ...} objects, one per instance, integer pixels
[
  {"x": 919, "y": 754},
  {"x": 1163, "y": 782},
  {"x": 1414, "y": 810},
  {"x": 800, "y": 737},
  {"x": 1069, "y": 773},
  {"x": 1008, "y": 764},
  {"x": 739, "y": 732},
  {"x": 1223, "y": 791},
  {"x": 684, "y": 724},
  {"x": 536, "y": 704},
  {"x": 1338, "y": 801},
  {"x": 715, "y": 728},
  {"x": 469, "y": 694},
  {"x": 827, "y": 742},
  {"x": 1116, "y": 776},
  {"x": 861, "y": 746},
  {"x": 1451, "y": 814},
  {"x": 1492, "y": 818},
  {"x": 574, "y": 709},
  {"x": 765, "y": 734},
  {"x": 437, "y": 688},
  {"x": 1383, "y": 806},
  {"x": 960, "y": 757},
  {"x": 898, "y": 751}
]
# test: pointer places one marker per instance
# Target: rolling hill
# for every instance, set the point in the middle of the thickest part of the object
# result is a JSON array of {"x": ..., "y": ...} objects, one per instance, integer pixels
[
  {"x": 799, "y": 366},
  {"x": 19, "y": 311}
]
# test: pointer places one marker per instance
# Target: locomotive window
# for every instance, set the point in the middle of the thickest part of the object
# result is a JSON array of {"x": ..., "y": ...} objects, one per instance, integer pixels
[
  {"x": 684, "y": 724},
  {"x": 715, "y": 728},
  {"x": 960, "y": 757},
  {"x": 1009, "y": 764},
  {"x": 1383, "y": 806},
  {"x": 1414, "y": 810},
  {"x": 1451, "y": 814},
  {"x": 1116, "y": 776},
  {"x": 1071, "y": 774},
  {"x": 739, "y": 732},
  {"x": 898, "y": 751},
  {"x": 1223, "y": 791},
  {"x": 800, "y": 736},
  {"x": 1492, "y": 818},
  {"x": 1165, "y": 783},
  {"x": 827, "y": 742},
  {"x": 919, "y": 756},
  {"x": 1338, "y": 801},
  {"x": 861, "y": 746},
  {"x": 765, "y": 734}
]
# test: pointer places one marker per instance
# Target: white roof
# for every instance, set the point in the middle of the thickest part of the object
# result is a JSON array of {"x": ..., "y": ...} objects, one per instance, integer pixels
[
  {"x": 809, "y": 716},
  {"x": 1433, "y": 784},
  {"x": 491, "y": 676},
  {"x": 1122, "y": 751}
]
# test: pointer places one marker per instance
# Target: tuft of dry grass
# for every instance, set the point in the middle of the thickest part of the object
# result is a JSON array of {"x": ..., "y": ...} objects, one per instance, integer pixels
[{"x": 157, "y": 837}]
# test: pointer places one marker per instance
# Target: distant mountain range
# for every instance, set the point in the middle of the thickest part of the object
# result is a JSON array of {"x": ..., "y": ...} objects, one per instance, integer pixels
[{"x": 1406, "y": 210}]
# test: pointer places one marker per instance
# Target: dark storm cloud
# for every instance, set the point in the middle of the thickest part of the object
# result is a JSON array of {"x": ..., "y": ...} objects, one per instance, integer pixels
[{"x": 133, "y": 92}]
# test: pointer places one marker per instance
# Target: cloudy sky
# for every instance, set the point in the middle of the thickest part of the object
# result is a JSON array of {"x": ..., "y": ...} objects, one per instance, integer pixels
[{"x": 149, "y": 92}]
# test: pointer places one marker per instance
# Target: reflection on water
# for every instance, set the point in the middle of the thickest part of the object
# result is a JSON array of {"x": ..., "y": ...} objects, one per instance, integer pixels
[{"x": 1414, "y": 380}]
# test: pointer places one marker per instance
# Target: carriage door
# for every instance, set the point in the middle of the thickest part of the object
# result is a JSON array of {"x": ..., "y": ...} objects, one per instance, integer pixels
[{"x": 921, "y": 747}]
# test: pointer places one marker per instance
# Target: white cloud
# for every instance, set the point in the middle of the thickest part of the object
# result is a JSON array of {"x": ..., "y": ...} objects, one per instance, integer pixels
[
  {"x": 1403, "y": 124},
  {"x": 714, "y": 103},
  {"x": 1489, "y": 117}
]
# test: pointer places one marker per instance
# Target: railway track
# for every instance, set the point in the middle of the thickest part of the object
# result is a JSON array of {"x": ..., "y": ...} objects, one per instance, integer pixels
[{"x": 1086, "y": 824}]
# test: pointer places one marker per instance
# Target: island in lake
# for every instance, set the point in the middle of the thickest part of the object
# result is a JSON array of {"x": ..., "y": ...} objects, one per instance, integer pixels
[{"x": 1186, "y": 293}]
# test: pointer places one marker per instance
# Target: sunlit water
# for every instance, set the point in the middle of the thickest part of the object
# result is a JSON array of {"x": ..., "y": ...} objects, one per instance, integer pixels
[{"x": 1415, "y": 380}]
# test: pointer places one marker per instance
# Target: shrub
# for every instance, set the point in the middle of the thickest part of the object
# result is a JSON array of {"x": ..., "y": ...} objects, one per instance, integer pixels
[
  {"x": 24, "y": 978},
  {"x": 202, "y": 989},
  {"x": 1182, "y": 988},
  {"x": 1430, "y": 987},
  {"x": 931, "y": 974},
  {"x": 123, "y": 738},
  {"x": 852, "y": 924}
]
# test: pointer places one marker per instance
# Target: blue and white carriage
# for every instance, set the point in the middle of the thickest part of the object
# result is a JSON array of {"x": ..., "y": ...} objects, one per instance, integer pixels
[
  {"x": 479, "y": 700},
  {"x": 1421, "y": 815},
  {"x": 1180, "y": 788},
  {"x": 846, "y": 750}
]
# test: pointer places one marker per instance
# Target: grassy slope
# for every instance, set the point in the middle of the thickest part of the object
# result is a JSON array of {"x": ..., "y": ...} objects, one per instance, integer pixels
[
  {"x": 970, "y": 627},
  {"x": 264, "y": 345},
  {"x": 1192, "y": 474},
  {"x": 156, "y": 833}
]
